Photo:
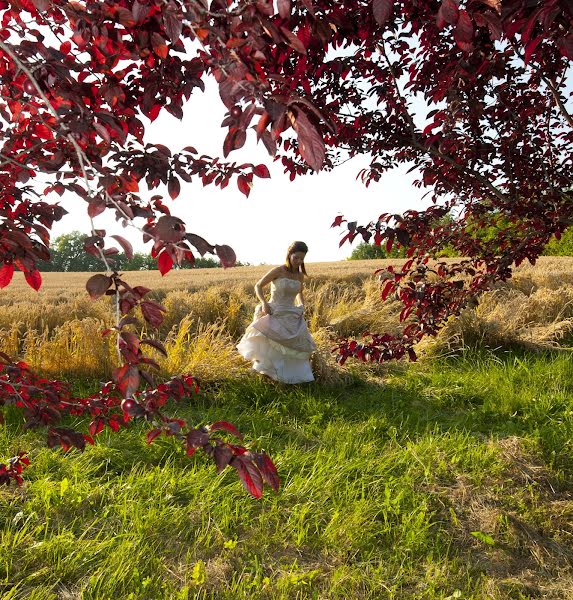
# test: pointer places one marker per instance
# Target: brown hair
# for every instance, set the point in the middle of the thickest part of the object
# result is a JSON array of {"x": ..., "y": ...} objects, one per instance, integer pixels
[{"x": 296, "y": 247}]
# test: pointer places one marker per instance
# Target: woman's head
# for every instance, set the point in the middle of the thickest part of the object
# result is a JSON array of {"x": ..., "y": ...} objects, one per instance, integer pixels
[{"x": 295, "y": 257}]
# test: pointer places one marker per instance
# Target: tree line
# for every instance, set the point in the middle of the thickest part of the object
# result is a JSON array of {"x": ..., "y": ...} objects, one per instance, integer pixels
[
  {"x": 366, "y": 250},
  {"x": 67, "y": 254}
]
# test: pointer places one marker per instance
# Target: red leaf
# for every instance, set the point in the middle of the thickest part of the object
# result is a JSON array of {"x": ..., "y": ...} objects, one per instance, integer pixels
[
  {"x": 169, "y": 229},
  {"x": 97, "y": 285},
  {"x": 96, "y": 426},
  {"x": 226, "y": 427},
  {"x": 155, "y": 344},
  {"x": 164, "y": 262},
  {"x": 449, "y": 11},
  {"x": 268, "y": 470},
  {"x": 201, "y": 244},
  {"x": 34, "y": 279},
  {"x": 66, "y": 47},
  {"x": 249, "y": 475},
  {"x": 388, "y": 287},
  {"x": 96, "y": 207},
  {"x": 6, "y": 274},
  {"x": 125, "y": 17},
  {"x": 293, "y": 40},
  {"x": 173, "y": 25},
  {"x": 196, "y": 439},
  {"x": 262, "y": 171},
  {"x": 151, "y": 435},
  {"x": 565, "y": 45},
  {"x": 382, "y": 10},
  {"x": 244, "y": 185},
  {"x": 159, "y": 45},
  {"x": 127, "y": 379},
  {"x": 531, "y": 47},
  {"x": 226, "y": 255},
  {"x": 154, "y": 112},
  {"x": 152, "y": 313},
  {"x": 464, "y": 32},
  {"x": 174, "y": 187},
  {"x": 284, "y": 7},
  {"x": 223, "y": 456},
  {"x": 126, "y": 246},
  {"x": 311, "y": 144}
]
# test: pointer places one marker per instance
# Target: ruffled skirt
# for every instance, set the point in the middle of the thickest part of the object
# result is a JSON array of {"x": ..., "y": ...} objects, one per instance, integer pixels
[{"x": 279, "y": 345}]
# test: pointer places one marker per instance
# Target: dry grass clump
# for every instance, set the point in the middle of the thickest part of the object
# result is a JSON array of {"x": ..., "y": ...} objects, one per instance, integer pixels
[
  {"x": 509, "y": 317},
  {"x": 73, "y": 349},
  {"x": 207, "y": 351}
]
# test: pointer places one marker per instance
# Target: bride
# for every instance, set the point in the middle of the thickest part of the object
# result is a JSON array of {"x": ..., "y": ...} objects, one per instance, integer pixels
[{"x": 278, "y": 341}]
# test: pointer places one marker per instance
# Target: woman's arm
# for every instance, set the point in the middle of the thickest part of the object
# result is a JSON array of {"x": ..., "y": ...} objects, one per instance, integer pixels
[
  {"x": 265, "y": 280},
  {"x": 300, "y": 296}
]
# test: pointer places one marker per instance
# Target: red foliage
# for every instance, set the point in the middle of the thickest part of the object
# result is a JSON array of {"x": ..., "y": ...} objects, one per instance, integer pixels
[{"x": 46, "y": 403}]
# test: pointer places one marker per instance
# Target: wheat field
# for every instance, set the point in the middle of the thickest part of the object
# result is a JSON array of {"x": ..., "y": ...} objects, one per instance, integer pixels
[{"x": 58, "y": 329}]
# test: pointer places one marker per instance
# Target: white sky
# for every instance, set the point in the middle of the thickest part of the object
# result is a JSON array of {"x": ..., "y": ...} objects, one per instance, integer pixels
[{"x": 277, "y": 212}]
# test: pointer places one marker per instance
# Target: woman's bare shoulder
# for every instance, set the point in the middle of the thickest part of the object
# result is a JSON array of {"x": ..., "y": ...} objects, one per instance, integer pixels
[{"x": 271, "y": 275}]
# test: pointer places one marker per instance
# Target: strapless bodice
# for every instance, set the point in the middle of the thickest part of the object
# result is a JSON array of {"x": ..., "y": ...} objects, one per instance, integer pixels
[{"x": 284, "y": 291}]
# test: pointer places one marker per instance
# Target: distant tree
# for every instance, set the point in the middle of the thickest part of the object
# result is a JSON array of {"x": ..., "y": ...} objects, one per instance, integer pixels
[
  {"x": 365, "y": 251},
  {"x": 562, "y": 246},
  {"x": 68, "y": 254}
]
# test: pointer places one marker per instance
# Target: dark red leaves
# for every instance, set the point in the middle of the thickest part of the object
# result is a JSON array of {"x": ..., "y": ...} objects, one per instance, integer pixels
[
  {"x": 127, "y": 379},
  {"x": 244, "y": 185},
  {"x": 155, "y": 344},
  {"x": 202, "y": 245},
  {"x": 97, "y": 285},
  {"x": 125, "y": 17},
  {"x": 164, "y": 262},
  {"x": 96, "y": 426},
  {"x": 225, "y": 426},
  {"x": 310, "y": 140},
  {"x": 268, "y": 470},
  {"x": 226, "y": 255},
  {"x": 262, "y": 171},
  {"x": 284, "y": 7},
  {"x": 249, "y": 475},
  {"x": 6, "y": 274},
  {"x": 152, "y": 434},
  {"x": 464, "y": 32},
  {"x": 159, "y": 45},
  {"x": 293, "y": 40},
  {"x": 152, "y": 312},
  {"x": 169, "y": 229},
  {"x": 382, "y": 10},
  {"x": 448, "y": 13},
  {"x": 96, "y": 207},
  {"x": 173, "y": 23},
  {"x": 174, "y": 187},
  {"x": 33, "y": 279},
  {"x": 222, "y": 456},
  {"x": 126, "y": 246},
  {"x": 197, "y": 438}
]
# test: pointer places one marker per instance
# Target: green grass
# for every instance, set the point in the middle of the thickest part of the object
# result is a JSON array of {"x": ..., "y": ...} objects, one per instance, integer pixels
[{"x": 448, "y": 479}]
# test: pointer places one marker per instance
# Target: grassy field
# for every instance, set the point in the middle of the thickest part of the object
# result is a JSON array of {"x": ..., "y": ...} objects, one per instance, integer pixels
[{"x": 449, "y": 478}]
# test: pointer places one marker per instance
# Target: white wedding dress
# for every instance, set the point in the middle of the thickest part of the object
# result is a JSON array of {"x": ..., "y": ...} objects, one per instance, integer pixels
[{"x": 280, "y": 344}]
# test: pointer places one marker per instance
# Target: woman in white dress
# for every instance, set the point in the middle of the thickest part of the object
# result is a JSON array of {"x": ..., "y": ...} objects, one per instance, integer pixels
[{"x": 278, "y": 341}]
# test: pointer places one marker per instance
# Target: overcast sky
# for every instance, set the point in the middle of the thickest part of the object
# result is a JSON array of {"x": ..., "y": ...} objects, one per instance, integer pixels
[{"x": 259, "y": 228}]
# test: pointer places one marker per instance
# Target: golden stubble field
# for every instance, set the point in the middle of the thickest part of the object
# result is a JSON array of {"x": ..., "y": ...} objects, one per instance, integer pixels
[{"x": 57, "y": 330}]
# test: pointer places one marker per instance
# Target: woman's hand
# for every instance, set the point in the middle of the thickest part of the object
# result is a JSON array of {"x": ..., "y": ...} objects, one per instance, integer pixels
[{"x": 267, "y": 310}]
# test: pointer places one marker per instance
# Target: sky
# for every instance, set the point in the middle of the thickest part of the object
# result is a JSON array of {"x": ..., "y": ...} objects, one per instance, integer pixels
[{"x": 277, "y": 212}]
